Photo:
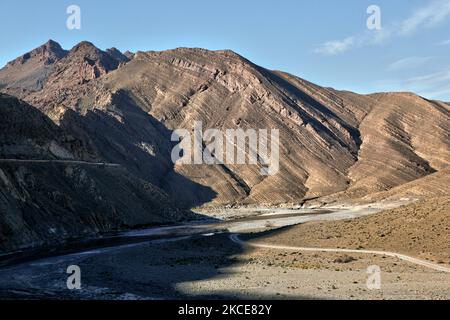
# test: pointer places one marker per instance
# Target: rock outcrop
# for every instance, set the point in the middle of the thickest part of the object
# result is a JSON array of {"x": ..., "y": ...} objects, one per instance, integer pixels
[
  {"x": 29, "y": 72},
  {"x": 62, "y": 198},
  {"x": 330, "y": 141}
]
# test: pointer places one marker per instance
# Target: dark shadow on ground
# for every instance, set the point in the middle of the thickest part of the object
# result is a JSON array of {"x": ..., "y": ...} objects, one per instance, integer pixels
[
  {"x": 265, "y": 234},
  {"x": 150, "y": 270},
  {"x": 49, "y": 206}
]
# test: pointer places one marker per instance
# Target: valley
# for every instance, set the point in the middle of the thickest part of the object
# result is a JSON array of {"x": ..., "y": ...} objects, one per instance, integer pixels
[
  {"x": 207, "y": 261},
  {"x": 87, "y": 178}
]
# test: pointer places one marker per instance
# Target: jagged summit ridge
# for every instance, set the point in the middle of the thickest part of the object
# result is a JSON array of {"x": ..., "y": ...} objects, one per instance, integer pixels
[{"x": 31, "y": 71}]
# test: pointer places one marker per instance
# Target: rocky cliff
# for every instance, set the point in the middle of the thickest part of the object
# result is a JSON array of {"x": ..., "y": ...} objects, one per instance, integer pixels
[{"x": 53, "y": 191}]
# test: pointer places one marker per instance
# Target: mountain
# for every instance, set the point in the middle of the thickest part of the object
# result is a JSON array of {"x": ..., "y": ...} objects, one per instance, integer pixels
[
  {"x": 331, "y": 141},
  {"x": 48, "y": 63},
  {"x": 47, "y": 203},
  {"x": 433, "y": 185},
  {"x": 405, "y": 137},
  {"x": 29, "y": 72}
]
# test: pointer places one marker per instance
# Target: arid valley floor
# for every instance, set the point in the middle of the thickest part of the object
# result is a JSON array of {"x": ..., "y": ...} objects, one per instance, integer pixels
[{"x": 201, "y": 260}]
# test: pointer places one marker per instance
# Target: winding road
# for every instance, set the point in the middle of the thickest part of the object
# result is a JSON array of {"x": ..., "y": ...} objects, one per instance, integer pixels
[
  {"x": 123, "y": 266},
  {"x": 235, "y": 238},
  {"x": 97, "y": 164}
]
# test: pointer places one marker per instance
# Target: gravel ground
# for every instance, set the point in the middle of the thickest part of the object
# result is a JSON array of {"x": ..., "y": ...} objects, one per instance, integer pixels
[{"x": 215, "y": 268}]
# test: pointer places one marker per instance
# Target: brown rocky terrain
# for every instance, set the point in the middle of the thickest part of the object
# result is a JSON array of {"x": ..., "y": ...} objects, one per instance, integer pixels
[
  {"x": 105, "y": 106},
  {"x": 405, "y": 137},
  {"x": 49, "y": 203},
  {"x": 27, "y": 133},
  {"x": 29, "y": 72},
  {"x": 433, "y": 185},
  {"x": 330, "y": 141}
]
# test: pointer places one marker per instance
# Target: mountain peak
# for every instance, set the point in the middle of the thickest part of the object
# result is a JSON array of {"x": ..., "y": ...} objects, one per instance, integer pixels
[
  {"x": 84, "y": 46},
  {"x": 84, "y": 62},
  {"x": 48, "y": 53},
  {"x": 117, "y": 54},
  {"x": 129, "y": 54},
  {"x": 111, "y": 56},
  {"x": 54, "y": 48},
  {"x": 29, "y": 71},
  {"x": 52, "y": 43}
]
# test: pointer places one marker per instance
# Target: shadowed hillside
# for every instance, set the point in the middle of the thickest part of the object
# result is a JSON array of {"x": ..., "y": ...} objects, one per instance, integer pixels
[
  {"x": 48, "y": 196},
  {"x": 330, "y": 141}
]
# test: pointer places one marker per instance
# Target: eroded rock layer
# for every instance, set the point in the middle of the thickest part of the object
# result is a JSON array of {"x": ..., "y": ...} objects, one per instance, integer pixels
[{"x": 124, "y": 108}]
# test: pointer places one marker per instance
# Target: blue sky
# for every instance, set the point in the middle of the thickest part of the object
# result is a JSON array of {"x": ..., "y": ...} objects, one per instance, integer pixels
[{"x": 324, "y": 41}]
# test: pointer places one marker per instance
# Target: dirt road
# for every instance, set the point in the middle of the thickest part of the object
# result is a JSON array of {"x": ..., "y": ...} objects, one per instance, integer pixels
[
  {"x": 199, "y": 260},
  {"x": 235, "y": 238},
  {"x": 73, "y": 162}
]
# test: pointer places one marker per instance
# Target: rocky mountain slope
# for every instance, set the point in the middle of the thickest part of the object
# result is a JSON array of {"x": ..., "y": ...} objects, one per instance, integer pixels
[
  {"x": 330, "y": 141},
  {"x": 433, "y": 185},
  {"x": 43, "y": 203},
  {"x": 29, "y": 72}
]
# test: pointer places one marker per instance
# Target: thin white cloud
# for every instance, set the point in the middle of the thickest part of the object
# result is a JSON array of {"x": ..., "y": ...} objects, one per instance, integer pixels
[
  {"x": 378, "y": 36},
  {"x": 408, "y": 63},
  {"x": 431, "y": 80},
  {"x": 429, "y": 16},
  {"x": 433, "y": 85},
  {"x": 335, "y": 47},
  {"x": 444, "y": 43}
]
